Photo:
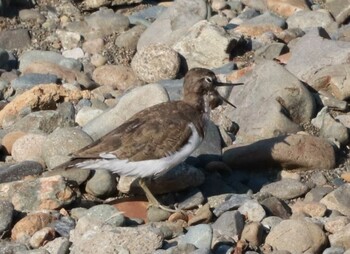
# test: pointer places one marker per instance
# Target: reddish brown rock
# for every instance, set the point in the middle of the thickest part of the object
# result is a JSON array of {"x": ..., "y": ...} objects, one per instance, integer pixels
[
  {"x": 289, "y": 152},
  {"x": 286, "y": 8},
  {"x": 41, "y": 97},
  {"x": 30, "y": 224},
  {"x": 116, "y": 76},
  {"x": 41, "y": 193},
  {"x": 254, "y": 30}
]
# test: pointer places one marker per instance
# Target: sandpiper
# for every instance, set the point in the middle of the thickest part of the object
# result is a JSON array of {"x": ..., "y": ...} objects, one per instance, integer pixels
[{"x": 158, "y": 138}]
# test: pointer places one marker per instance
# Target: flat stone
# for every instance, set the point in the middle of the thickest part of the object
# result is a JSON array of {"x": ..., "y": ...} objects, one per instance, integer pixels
[
  {"x": 336, "y": 223},
  {"x": 285, "y": 189},
  {"x": 20, "y": 170},
  {"x": 30, "y": 80},
  {"x": 235, "y": 201},
  {"x": 116, "y": 76},
  {"x": 156, "y": 62},
  {"x": 14, "y": 39},
  {"x": 341, "y": 238},
  {"x": 42, "y": 193},
  {"x": 286, "y": 8},
  {"x": 309, "y": 19},
  {"x": 297, "y": 236},
  {"x": 339, "y": 199},
  {"x": 339, "y": 9},
  {"x": 252, "y": 211},
  {"x": 294, "y": 151}
]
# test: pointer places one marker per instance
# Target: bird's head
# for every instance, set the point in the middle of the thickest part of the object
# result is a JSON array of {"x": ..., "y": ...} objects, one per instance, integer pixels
[{"x": 200, "y": 88}]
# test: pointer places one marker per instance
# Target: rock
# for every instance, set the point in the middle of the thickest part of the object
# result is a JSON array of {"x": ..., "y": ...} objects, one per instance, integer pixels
[
  {"x": 255, "y": 4},
  {"x": 93, "y": 46},
  {"x": 309, "y": 19},
  {"x": 191, "y": 199},
  {"x": 173, "y": 23},
  {"x": 204, "y": 45},
  {"x": 234, "y": 201},
  {"x": 146, "y": 96},
  {"x": 202, "y": 216},
  {"x": 35, "y": 56},
  {"x": 339, "y": 10},
  {"x": 28, "y": 147},
  {"x": 63, "y": 142},
  {"x": 279, "y": 107},
  {"x": 7, "y": 246},
  {"x": 340, "y": 238},
  {"x": 285, "y": 189},
  {"x": 333, "y": 80},
  {"x": 105, "y": 21},
  {"x": 199, "y": 235},
  {"x": 40, "y": 97},
  {"x": 98, "y": 60},
  {"x": 75, "y": 53},
  {"x": 271, "y": 221},
  {"x": 99, "y": 215},
  {"x": 110, "y": 239},
  {"x": 10, "y": 138},
  {"x": 228, "y": 226},
  {"x": 116, "y": 76},
  {"x": 156, "y": 62},
  {"x": 26, "y": 227},
  {"x": 286, "y": 8},
  {"x": 86, "y": 114},
  {"x": 317, "y": 193},
  {"x": 129, "y": 38},
  {"x": 336, "y": 223},
  {"x": 338, "y": 199},
  {"x": 330, "y": 128},
  {"x": 276, "y": 207},
  {"x": 270, "y": 51},
  {"x": 294, "y": 151},
  {"x": 31, "y": 15},
  {"x": 297, "y": 236},
  {"x": 27, "y": 81},
  {"x": 4, "y": 57},
  {"x": 58, "y": 245},
  {"x": 155, "y": 214},
  {"x": 40, "y": 237},
  {"x": 334, "y": 250},
  {"x": 14, "y": 39},
  {"x": 66, "y": 74},
  {"x": 42, "y": 193},
  {"x": 253, "y": 234},
  {"x": 69, "y": 40},
  {"x": 311, "y": 45},
  {"x": 252, "y": 211},
  {"x": 6, "y": 216},
  {"x": 64, "y": 225},
  {"x": 313, "y": 209},
  {"x": 95, "y": 188},
  {"x": 20, "y": 170}
]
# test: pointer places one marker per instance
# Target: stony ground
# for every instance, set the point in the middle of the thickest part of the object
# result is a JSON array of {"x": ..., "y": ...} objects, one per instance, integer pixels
[{"x": 272, "y": 175}]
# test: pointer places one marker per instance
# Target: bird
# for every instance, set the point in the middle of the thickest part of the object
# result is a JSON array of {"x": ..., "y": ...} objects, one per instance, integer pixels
[{"x": 157, "y": 138}]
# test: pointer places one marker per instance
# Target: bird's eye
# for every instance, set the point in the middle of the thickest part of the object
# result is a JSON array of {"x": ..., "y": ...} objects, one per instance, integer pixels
[{"x": 208, "y": 79}]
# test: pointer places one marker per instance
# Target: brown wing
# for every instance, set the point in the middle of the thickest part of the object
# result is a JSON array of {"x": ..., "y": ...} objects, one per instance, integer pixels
[{"x": 151, "y": 134}]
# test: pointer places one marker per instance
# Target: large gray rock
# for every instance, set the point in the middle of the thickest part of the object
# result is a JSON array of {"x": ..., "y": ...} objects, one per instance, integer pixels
[
  {"x": 145, "y": 96},
  {"x": 204, "y": 45},
  {"x": 297, "y": 236},
  {"x": 318, "y": 52},
  {"x": 295, "y": 151},
  {"x": 174, "y": 23},
  {"x": 271, "y": 102},
  {"x": 310, "y": 19}
]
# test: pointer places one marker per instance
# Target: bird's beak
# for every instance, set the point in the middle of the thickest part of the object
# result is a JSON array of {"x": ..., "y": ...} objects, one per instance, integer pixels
[{"x": 218, "y": 84}]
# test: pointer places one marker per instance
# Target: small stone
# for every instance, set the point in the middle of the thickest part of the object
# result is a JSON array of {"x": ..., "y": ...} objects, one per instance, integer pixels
[
  {"x": 228, "y": 226},
  {"x": 102, "y": 214},
  {"x": 129, "y": 38},
  {"x": 95, "y": 188},
  {"x": 74, "y": 53},
  {"x": 341, "y": 238},
  {"x": 69, "y": 40},
  {"x": 155, "y": 214},
  {"x": 317, "y": 193},
  {"x": 26, "y": 227},
  {"x": 156, "y": 62},
  {"x": 336, "y": 224},
  {"x": 9, "y": 139},
  {"x": 199, "y": 235},
  {"x": 253, "y": 234},
  {"x": 202, "y": 215},
  {"x": 271, "y": 221},
  {"x": 192, "y": 198},
  {"x": 98, "y": 60},
  {"x": 58, "y": 245},
  {"x": 64, "y": 225},
  {"x": 94, "y": 46},
  {"x": 334, "y": 250},
  {"x": 14, "y": 39},
  {"x": 276, "y": 207},
  {"x": 313, "y": 209},
  {"x": 297, "y": 236},
  {"x": 86, "y": 114},
  {"x": 338, "y": 199},
  {"x": 29, "y": 80},
  {"x": 235, "y": 201},
  {"x": 40, "y": 237},
  {"x": 20, "y": 170},
  {"x": 285, "y": 189},
  {"x": 252, "y": 211},
  {"x": 28, "y": 147}
]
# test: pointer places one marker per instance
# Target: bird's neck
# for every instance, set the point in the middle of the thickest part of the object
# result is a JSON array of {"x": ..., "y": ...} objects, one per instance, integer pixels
[{"x": 200, "y": 103}]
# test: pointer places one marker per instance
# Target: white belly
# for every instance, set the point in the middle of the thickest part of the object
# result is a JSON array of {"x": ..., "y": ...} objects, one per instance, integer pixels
[{"x": 144, "y": 168}]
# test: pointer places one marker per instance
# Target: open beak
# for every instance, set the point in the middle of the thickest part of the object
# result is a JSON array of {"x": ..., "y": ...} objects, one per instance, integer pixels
[{"x": 218, "y": 84}]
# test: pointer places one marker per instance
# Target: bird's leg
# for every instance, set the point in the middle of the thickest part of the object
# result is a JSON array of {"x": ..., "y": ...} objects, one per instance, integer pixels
[{"x": 151, "y": 199}]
